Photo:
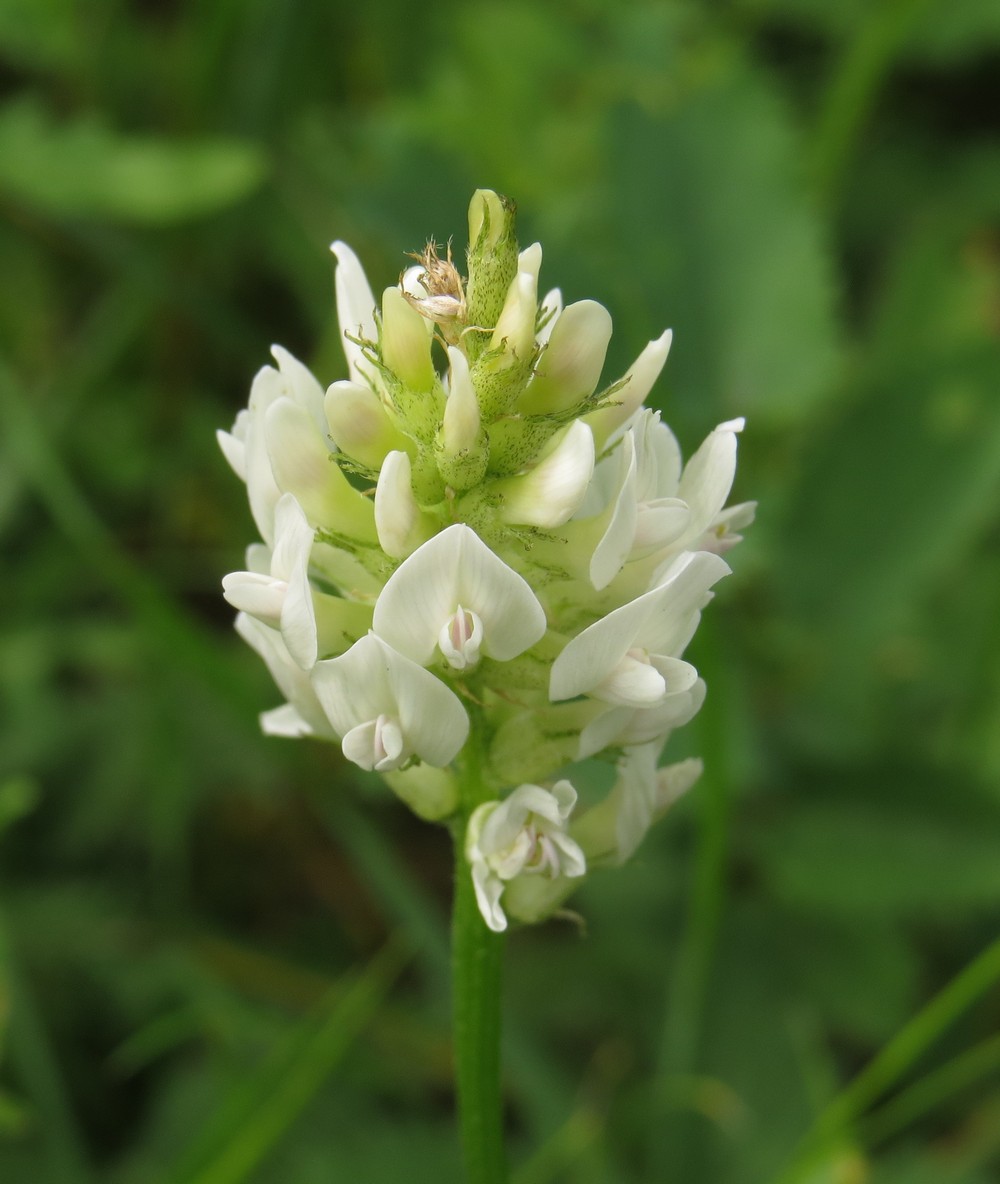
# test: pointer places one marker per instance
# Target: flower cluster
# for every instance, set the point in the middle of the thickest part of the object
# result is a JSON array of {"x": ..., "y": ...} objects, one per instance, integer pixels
[{"x": 495, "y": 566}]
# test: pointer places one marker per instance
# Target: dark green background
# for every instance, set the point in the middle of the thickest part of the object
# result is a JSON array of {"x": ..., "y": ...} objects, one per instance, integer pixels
[{"x": 809, "y": 193}]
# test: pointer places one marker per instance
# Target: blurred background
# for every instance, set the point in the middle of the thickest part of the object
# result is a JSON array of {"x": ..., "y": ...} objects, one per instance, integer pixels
[{"x": 224, "y": 958}]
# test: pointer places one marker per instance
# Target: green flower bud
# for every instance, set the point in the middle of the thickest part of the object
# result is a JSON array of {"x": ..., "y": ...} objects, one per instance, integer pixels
[{"x": 492, "y": 261}]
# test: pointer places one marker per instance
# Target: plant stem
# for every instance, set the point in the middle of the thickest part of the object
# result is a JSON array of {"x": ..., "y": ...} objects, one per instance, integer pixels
[{"x": 477, "y": 959}]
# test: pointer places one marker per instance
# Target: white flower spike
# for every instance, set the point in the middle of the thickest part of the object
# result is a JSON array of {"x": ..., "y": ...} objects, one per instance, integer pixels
[{"x": 477, "y": 565}]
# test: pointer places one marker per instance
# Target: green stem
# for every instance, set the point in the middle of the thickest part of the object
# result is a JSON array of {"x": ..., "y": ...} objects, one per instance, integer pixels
[
  {"x": 477, "y": 963},
  {"x": 477, "y": 956}
]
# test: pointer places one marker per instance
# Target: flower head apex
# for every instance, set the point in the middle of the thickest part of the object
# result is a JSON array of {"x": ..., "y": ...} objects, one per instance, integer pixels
[
  {"x": 524, "y": 835},
  {"x": 443, "y": 300}
]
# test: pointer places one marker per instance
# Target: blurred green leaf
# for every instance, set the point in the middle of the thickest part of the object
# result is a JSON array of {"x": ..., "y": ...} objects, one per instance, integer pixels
[
  {"x": 746, "y": 284},
  {"x": 247, "y": 1125},
  {"x": 874, "y": 861},
  {"x": 82, "y": 168},
  {"x": 40, "y": 32},
  {"x": 18, "y": 797}
]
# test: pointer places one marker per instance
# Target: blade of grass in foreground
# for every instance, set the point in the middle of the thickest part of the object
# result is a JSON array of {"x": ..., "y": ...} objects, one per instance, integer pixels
[
  {"x": 892, "y": 1062},
  {"x": 260, "y": 1112}
]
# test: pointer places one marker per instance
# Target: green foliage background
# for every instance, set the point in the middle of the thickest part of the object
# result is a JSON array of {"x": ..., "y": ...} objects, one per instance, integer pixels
[{"x": 224, "y": 958}]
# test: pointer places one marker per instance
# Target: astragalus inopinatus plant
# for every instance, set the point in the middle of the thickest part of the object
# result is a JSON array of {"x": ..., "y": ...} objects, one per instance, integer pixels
[
  {"x": 478, "y": 565},
  {"x": 480, "y": 568}
]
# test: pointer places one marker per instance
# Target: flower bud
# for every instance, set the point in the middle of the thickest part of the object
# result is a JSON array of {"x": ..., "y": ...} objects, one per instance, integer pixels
[
  {"x": 492, "y": 261},
  {"x": 571, "y": 364},
  {"x": 360, "y": 425},
  {"x": 402, "y": 526},
  {"x": 406, "y": 342}
]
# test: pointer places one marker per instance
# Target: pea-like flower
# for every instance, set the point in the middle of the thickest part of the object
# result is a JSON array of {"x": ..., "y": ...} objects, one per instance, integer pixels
[{"x": 524, "y": 835}]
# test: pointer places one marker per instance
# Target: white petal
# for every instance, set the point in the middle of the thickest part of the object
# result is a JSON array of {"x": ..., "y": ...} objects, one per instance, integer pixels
[
  {"x": 684, "y": 586},
  {"x": 530, "y": 260},
  {"x": 291, "y": 679},
  {"x": 262, "y": 490},
  {"x": 552, "y": 492},
  {"x": 456, "y": 567},
  {"x": 376, "y": 745},
  {"x": 571, "y": 365},
  {"x": 708, "y": 477},
  {"x": 644, "y": 371},
  {"x": 627, "y": 726},
  {"x": 261, "y": 596},
  {"x": 401, "y": 524},
  {"x": 616, "y": 543},
  {"x": 549, "y": 313},
  {"x": 489, "y": 889},
  {"x": 302, "y": 385},
  {"x": 515, "y": 328},
  {"x": 355, "y": 310},
  {"x": 658, "y": 456},
  {"x": 461, "y": 411},
  {"x": 632, "y": 683},
  {"x": 233, "y": 444},
  {"x": 285, "y": 721},
  {"x": 300, "y": 459},
  {"x": 636, "y": 790},
  {"x": 673, "y": 781},
  {"x": 660, "y": 523},
  {"x": 293, "y": 538}
]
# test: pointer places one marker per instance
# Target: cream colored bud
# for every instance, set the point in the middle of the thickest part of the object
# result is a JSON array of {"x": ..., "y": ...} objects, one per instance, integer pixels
[
  {"x": 360, "y": 425},
  {"x": 401, "y": 525},
  {"x": 461, "y": 426},
  {"x": 515, "y": 330},
  {"x": 406, "y": 341}
]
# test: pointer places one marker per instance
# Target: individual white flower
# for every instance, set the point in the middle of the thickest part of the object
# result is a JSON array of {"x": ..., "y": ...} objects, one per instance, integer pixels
[
  {"x": 524, "y": 835},
  {"x": 627, "y": 658},
  {"x": 647, "y": 503},
  {"x": 388, "y": 709},
  {"x": 456, "y": 595},
  {"x": 642, "y": 515}
]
